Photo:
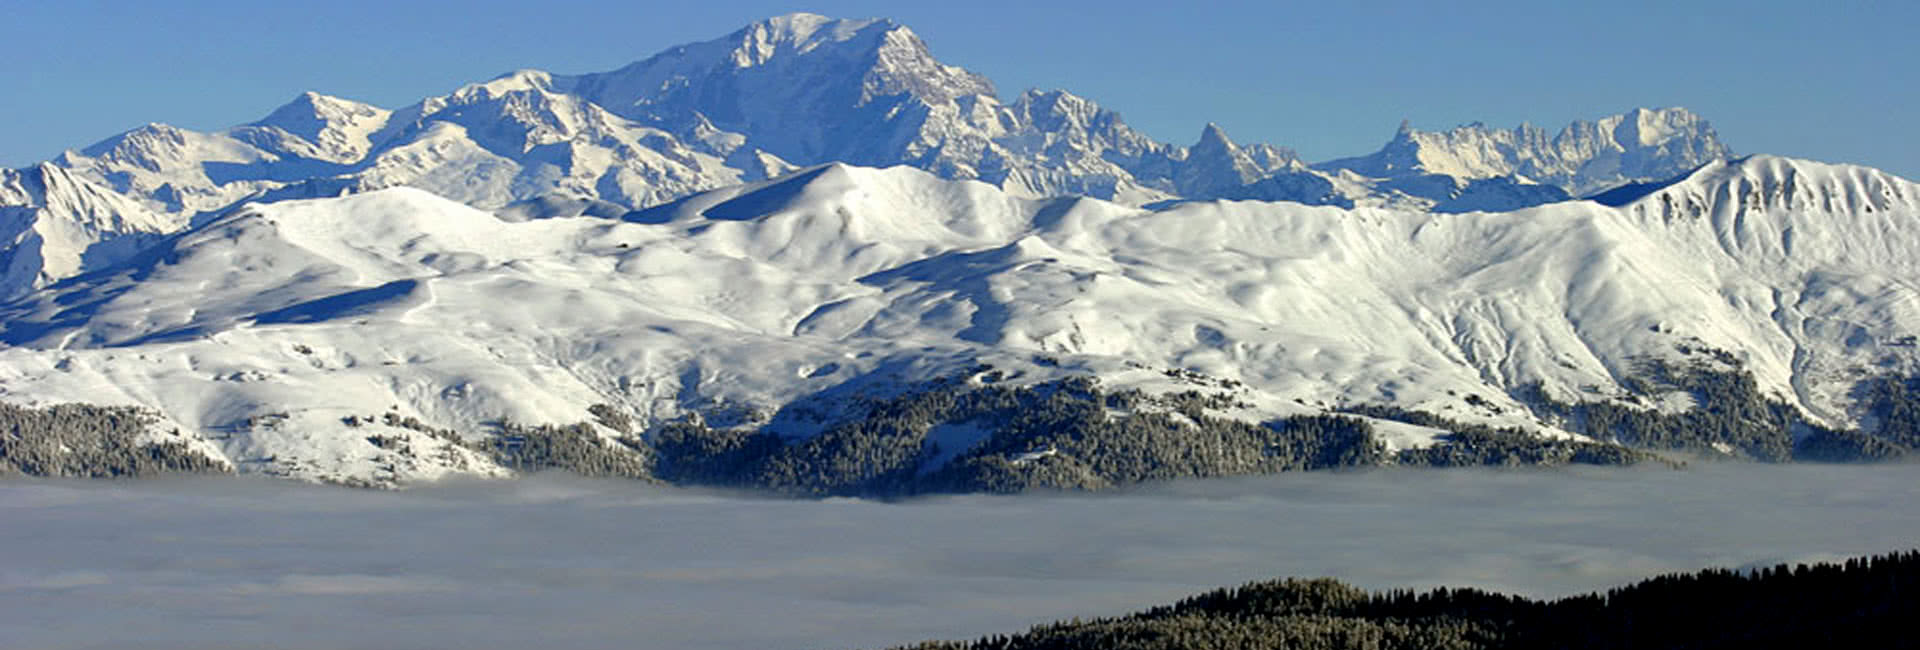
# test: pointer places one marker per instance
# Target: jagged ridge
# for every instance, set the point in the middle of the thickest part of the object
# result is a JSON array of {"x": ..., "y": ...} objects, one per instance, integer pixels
[{"x": 801, "y": 90}]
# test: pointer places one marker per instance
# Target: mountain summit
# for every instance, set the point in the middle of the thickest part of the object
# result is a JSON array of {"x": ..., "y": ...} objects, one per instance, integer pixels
[
  {"x": 803, "y": 87},
  {"x": 801, "y": 90},
  {"x": 1583, "y": 158}
]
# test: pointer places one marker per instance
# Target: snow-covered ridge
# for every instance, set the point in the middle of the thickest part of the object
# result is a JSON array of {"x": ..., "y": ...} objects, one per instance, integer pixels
[
  {"x": 735, "y": 302},
  {"x": 1583, "y": 158},
  {"x": 802, "y": 90},
  {"x": 322, "y": 128},
  {"x": 1723, "y": 189},
  {"x": 54, "y": 225}
]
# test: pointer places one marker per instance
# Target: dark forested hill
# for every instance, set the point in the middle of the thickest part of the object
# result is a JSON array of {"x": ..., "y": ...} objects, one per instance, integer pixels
[{"x": 1861, "y": 603}]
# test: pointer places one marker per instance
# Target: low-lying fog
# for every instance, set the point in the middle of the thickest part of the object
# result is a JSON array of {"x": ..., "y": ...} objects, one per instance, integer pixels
[{"x": 560, "y": 562}]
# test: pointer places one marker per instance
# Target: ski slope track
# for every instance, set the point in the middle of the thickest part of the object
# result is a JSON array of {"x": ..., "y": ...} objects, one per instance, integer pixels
[{"x": 259, "y": 331}]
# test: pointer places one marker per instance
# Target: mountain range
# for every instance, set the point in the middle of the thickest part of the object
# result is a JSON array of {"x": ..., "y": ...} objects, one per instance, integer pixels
[
  {"x": 775, "y": 96},
  {"x": 756, "y": 240}
]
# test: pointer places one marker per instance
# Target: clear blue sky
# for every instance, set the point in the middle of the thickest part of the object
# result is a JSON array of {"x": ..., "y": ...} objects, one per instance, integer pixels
[{"x": 1834, "y": 81}]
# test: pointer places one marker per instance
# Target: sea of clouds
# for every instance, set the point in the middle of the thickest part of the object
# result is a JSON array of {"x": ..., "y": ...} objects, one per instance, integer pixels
[{"x": 563, "y": 562}]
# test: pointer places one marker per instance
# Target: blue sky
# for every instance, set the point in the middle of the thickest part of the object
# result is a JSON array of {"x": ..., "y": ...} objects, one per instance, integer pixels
[{"x": 1831, "y": 81}]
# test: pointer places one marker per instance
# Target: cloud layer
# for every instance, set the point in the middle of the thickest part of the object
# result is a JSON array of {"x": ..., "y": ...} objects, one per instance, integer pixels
[{"x": 560, "y": 562}]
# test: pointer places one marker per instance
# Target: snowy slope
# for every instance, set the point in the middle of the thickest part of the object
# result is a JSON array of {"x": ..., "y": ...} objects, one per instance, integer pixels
[
  {"x": 317, "y": 127},
  {"x": 55, "y": 225},
  {"x": 263, "y": 329},
  {"x": 515, "y": 138}
]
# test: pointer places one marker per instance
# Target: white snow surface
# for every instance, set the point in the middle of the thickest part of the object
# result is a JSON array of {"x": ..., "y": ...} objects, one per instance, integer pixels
[
  {"x": 768, "y": 99},
  {"x": 261, "y": 330},
  {"x": 1583, "y": 158},
  {"x": 53, "y": 225}
]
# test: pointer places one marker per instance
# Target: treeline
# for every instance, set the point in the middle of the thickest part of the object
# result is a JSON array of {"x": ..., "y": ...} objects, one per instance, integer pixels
[
  {"x": 1073, "y": 434},
  {"x": 1863, "y": 602},
  {"x": 1892, "y": 406},
  {"x": 1731, "y": 416},
  {"x": 79, "y": 440},
  {"x": 1471, "y": 445},
  {"x": 1062, "y": 434},
  {"x": 576, "y": 448}
]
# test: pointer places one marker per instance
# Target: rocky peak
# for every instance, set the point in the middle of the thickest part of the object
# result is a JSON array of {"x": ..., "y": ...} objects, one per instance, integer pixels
[
  {"x": 1063, "y": 113},
  {"x": 146, "y": 146},
  {"x": 1213, "y": 138},
  {"x": 310, "y": 112},
  {"x": 1584, "y": 157},
  {"x": 903, "y": 64},
  {"x": 798, "y": 33},
  {"x": 1215, "y": 163}
]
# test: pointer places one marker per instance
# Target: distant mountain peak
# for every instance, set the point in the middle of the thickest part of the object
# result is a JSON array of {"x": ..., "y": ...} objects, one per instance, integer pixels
[
  {"x": 309, "y": 111},
  {"x": 798, "y": 33},
  {"x": 1213, "y": 137},
  {"x": 1650, "y": 127},
  {"x": 802, "y": 89},
  {"x": 517, "y": 80},
  {"x": 1215, "y": 164},
  {"x": 796, "y": 84},
  {"x": 311, "y": 102},
  {"x": 803, "y": 27},
  {"x": 327, "y": 128},
  {"x": 1640, "y": 145}
]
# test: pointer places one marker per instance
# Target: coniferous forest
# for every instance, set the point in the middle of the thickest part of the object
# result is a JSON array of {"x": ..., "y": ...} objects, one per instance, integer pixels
[
  {"x": 1068, "y": 433},
  {"x": 1861, "y": 603},
  {"x": 79, "y": 440}
]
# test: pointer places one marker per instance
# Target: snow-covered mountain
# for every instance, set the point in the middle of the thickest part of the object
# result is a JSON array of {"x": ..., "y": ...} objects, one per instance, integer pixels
[
  {"x": 774, "y": 230},
  {"x": 795, "y": 91},
  {"x": 276, "y": 333},
  {"x": 53, "y": 225},
  {"x": 1640, "y": 145}
]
